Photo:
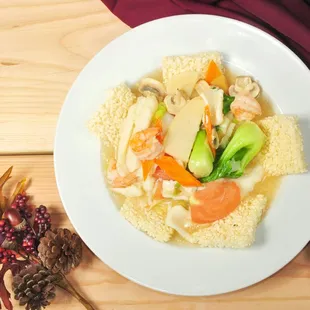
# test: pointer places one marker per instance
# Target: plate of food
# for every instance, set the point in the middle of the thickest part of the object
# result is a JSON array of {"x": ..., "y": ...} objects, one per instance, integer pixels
[{"x": 181, "y": 155}]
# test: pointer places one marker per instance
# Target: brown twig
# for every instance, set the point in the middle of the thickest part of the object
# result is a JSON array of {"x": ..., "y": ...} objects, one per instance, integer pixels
[{"x": 67, "y": 286}]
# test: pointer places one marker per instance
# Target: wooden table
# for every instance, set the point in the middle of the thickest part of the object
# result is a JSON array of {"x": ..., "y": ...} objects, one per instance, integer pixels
[{"x": 44, "y": 44}]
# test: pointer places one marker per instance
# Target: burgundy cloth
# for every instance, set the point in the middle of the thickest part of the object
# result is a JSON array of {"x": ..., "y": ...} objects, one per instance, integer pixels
[{"x": 287, "y": 20}]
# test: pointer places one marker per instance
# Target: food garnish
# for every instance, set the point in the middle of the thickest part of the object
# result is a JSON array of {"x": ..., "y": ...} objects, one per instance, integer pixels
[
  {"x": 243, "y": 147},
  {"x": 176, "y": 171},
  {"x": 201, "y": 159}
]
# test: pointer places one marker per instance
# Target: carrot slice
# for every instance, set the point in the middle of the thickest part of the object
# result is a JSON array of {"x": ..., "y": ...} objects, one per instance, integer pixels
[
  {"x": 214, "y": 202},
  {"x": 161, "y": 174},
  {"x": 221, "y": 82},
  {"x": 146, "y": 167},
  {"x": 213, "y": 72},
  {"x": 176, "y": 171},
  {"x": 158, "y": 192},
  {"x": 208, "y": 127}
]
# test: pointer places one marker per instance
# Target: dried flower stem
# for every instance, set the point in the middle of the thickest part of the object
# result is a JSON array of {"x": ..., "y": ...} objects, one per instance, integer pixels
[{"x": 67, "y": 286}]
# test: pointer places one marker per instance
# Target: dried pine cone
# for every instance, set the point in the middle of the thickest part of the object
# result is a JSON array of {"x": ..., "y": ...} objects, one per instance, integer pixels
[
  {"x": 35, "y": 287},
  {"x": 60, "y": 250}
]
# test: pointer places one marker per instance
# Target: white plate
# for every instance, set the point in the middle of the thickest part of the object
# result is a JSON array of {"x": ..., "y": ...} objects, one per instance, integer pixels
[{"x": 165, "y": 267}]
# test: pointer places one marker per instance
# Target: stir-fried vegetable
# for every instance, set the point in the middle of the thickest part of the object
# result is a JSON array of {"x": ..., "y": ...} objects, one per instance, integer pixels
[
  {"x": 151, "y": 87},
  {"x": 177, "y": 188},
  {"x": 208, "y": 127},
  {"x": 243, "y": 147},
  {"x": 227, "y": 101},
  {"x": 227, "y": 135},
  {"x": 159, "y": 113},
  {"x": 182, "y": 131},
  {"x": 212, "y": 97},
  {"x": 175, "y": 103},
  {"x": 220, "y": 82},
  {"x": 166, "y": 121},
  {"x": 201, "y": 159},
  {"x": 244, "y": 85},
  {"x": 222, "y": 129},
  {"x": 126, "y": 131},
  {"x": 184, "y": 81},
  {"x": 146, "y": 167},
  {"x": 213, "y": 72},
  {"x": 176, "y": 171},
  {"x": 214, "y": 202}
]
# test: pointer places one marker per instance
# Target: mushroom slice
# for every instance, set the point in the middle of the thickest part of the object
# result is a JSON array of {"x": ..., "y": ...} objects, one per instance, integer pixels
[
  {"x": 149, "y": 86},
  {"x": 242, "y": 82},
  {"x": 232, "y": 91},
  {"x": 244, "y": 86},
  {"x": 253, "y": 89},
  {"x": 175, "y": 103}
]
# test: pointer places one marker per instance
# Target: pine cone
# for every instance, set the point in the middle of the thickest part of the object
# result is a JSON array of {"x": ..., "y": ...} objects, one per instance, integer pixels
[
  {"x": 35, "y": 287},
  {"x": 60, "y": 250}
]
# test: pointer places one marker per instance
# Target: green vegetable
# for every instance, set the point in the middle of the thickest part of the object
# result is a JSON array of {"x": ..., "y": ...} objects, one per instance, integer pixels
[
  {"x": 243, "y": 147},
  {"x": 201, "y": 159},
  {"x": 227, "y": 101},
  {"x": 177, "y": 188},
  {"x": 160, "y": 112}
]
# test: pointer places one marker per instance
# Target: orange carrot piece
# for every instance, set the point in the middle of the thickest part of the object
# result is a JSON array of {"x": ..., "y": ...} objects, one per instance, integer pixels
[
  {"x": 213, "y": 72},
  {"x": 214, "y": 202},
  {"x": 176, "y": 171},
  {"x": 159, "y": 189},
  {"x": 208, "y": 127},
  {"x": 221, "y": 82},
  {"x": 146, "y": 167},
  {"x": 157, "y": 123}
]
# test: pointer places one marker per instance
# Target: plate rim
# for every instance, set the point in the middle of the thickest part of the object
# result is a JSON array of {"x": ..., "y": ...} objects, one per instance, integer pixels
[{"x": 93, "y": 59}]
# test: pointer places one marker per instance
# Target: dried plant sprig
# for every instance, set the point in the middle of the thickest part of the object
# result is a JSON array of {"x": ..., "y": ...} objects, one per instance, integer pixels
[{"x": 25, "y": 238}]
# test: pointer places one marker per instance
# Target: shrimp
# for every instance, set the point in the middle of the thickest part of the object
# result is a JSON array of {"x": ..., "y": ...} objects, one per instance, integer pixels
[
  {"x": 125, "y": 181},
  {"x": 145, "y": 144},
  {"x": 245, "y": 107},
  {"x": 117, "y": 180}
]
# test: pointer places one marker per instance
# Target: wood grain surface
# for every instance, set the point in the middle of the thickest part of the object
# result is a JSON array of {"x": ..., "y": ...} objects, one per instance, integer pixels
[
  {"x": 44, "y": 44},
  {"x": 289, "y": 289}
]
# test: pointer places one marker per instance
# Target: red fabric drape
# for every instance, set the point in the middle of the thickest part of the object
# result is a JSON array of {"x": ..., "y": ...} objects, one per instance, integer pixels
[{"x": 287, "y": 20}]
